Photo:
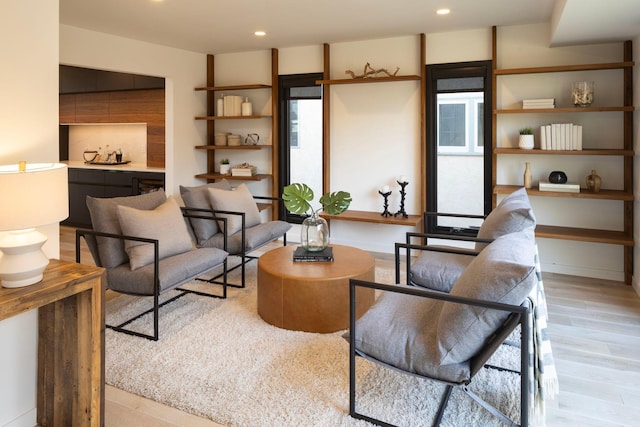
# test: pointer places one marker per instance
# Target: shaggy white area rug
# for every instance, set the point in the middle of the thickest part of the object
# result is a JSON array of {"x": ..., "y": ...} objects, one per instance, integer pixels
[{"x": 219, "y": 360}]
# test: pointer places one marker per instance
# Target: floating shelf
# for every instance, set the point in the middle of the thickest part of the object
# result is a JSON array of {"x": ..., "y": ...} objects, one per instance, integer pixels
[
  {"x": 583, "y": 194},
  {"x": 584, "y": 235},
  {"x": 234, "y": 87},
  {"x": 375, "y": 217},
  {"x": 563, "y": 110},
  {"x": 368, "y": 80},
  {"x": 565, "y": 68},
  {"x": 258, "y": 177},
  {"x": 230, "y": 117},
  {"x": 585, "y": 152},
  {"x": 231, "y": 147}
]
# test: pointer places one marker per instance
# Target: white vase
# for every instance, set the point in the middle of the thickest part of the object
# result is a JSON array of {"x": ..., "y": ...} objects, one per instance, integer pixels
[
  {"x": 526, "y": 142},
  {"x": 224, "y": 169}
]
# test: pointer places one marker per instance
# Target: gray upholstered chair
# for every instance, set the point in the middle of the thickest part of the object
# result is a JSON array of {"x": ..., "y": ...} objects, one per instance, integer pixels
[
  {"x": 448, "y": 337},
  {"x": 437, "y": 266},
  {"x": 246, "y": 231},
  {"x": 145, "y": 246}
]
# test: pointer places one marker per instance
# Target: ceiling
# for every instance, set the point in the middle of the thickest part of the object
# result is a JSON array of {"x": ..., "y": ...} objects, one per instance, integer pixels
[{"x": 219, "y": 26}]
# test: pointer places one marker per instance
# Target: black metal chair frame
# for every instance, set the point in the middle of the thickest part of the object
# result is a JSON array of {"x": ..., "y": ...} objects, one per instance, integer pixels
[
  {"x": 519, "y": 315},
  {"x": 245, "y": 258},
  {"x": 80, "y": 233}
]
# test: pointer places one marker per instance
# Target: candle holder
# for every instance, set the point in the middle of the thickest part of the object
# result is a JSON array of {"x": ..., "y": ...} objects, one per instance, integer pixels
[
  {"x": 385, "y": 212},
  {"x": 403, "y": 193}
]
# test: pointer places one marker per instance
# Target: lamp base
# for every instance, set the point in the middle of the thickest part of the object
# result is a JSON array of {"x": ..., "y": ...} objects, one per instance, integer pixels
[{"x": 22, "y": 261}]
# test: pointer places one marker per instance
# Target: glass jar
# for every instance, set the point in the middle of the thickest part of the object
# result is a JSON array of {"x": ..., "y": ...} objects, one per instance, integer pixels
[
  {"x": 314, "y": 233},
  {"x": 582, "y": 94}
]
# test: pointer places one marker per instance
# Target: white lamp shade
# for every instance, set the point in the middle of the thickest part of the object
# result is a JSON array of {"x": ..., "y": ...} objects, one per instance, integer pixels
[{"x": 34, "y": 197}]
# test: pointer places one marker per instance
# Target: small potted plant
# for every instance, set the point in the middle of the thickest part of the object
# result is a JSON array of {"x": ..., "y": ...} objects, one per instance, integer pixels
[
  {"x": 314, "y": 233},
  {"x": 526, "y": 139},
  {"x": 225, "y": 167}
]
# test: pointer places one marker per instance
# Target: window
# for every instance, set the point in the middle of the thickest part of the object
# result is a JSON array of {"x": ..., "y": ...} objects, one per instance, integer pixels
[
  {"x": 458, "y": 163},
  {"x": 301, "y": 127}
]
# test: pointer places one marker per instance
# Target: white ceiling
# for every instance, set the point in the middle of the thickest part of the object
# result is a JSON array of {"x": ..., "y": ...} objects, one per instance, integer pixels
[{"x": 218, "y": 26}]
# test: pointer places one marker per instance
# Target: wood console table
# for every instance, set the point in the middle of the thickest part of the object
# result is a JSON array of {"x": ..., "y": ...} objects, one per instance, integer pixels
[{"x": 70, "y": 299}]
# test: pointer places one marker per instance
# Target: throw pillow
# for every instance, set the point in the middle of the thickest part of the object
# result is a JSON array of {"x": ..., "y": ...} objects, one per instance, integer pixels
[
  {"x": 238, "y": 200},
  {"x": 513, "y": 213},
  {"x": 104, "y": 218},
  {"x": 503, "y": 272},
  {"x": 164, "y": 223},
  {"x": 438, "y": 270},
  {"x": 198, "y": 197}
]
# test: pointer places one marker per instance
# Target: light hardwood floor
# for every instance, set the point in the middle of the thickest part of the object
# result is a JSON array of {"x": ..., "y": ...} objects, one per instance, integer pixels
[{"x": 594, "y": 326}]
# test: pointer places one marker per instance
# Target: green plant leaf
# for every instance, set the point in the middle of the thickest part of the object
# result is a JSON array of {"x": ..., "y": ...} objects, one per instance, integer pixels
[
  {"x": 297, "y": 197},
  {"x": 335, "y": 203}
]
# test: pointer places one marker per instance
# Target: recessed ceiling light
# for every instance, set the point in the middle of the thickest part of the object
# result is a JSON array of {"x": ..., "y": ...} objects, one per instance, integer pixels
[
  {"x": 443, "y": 11},
  {"x": 260, "y": 33}
]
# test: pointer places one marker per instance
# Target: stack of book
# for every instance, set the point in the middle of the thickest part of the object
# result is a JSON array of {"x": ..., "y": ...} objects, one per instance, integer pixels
[
  {"x": 539, "y": 103},
  {"x": 232, "y": 105},
  {"x": 561, "y": 136},
  {"x": 303, "y": 255},
  {"x": 244, "y": 169},
  {"x": 561, "y": 188}
]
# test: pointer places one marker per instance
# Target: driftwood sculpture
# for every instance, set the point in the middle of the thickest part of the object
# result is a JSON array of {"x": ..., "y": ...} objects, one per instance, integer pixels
[{"x": 369, "y": 71}]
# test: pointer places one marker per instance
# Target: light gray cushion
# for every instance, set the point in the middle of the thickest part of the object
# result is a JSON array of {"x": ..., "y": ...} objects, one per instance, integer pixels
[
  {"x": 104, "y": 218},
  {"x": 172, "y": 272},
  {"x": 164, "y": 223},
  {"x": 503, "y": 272},
  {"x": 438, "y": 270},
  {"x": 513, "y": 213},
  {"x": 255, "y": 237},
  {"x": 198, "y": 197},
  {"x": 238, "y": 200},
  {"x": 401, "y": 331}
]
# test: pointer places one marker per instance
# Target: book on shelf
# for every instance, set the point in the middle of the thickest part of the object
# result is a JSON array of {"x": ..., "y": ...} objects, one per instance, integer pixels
[
  {"x": 232, "y": 105},
  {"x": 561, "y": 136},
  {"x": 539, "y": 103},
  {"x": 244, "y": 169},
  {"x": 560, "y": 188},
  {"x": 303, "y": 255}
]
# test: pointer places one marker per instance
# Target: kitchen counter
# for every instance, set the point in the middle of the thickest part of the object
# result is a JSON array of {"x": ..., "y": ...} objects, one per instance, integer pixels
[{"x": 129, "y": 167}]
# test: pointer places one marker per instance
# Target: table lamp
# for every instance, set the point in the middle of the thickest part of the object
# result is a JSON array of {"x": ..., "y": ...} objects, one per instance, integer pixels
[{"x": 32, "y": 195}]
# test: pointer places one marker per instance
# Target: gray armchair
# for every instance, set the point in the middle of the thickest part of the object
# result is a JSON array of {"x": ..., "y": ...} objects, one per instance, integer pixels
[
  {"x": 448, "y": 337},
  {"x": 246, "y": 231},
  {"x": 145, "y": 246}
]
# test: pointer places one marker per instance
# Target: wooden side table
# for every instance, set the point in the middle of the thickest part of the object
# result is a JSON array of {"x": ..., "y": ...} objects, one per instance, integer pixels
[
  {"x": 70, "y": 299},
  {"x": 312, "y": 296}
]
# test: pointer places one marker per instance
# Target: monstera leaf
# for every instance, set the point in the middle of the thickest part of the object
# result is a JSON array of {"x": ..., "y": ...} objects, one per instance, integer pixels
[
  {"x": 298, "y": 197},
  {"x": 335, "y": 203}
]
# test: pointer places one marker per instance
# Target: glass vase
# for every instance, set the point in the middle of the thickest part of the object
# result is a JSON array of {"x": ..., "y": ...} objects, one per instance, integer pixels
[{"x": 314, "y": 233}]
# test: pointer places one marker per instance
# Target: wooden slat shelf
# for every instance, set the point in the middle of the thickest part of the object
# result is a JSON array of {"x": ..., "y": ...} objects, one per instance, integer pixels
[
  {"x": 375, "y": 217},
  {"x": 234, "y": 87},
  {"x": 564, "y": 68},
  {"x": 258, "y": 177},
  {"x": 585, "y": 152},
  {"x": 583, "y": 194},
  {"x": 368, "y": 80},
  {"x": 231, "y": 147},
  {"x": 230, "y": 117},
  {"x": 584, "y": 235},
  {"x": 563, "y": 110}
]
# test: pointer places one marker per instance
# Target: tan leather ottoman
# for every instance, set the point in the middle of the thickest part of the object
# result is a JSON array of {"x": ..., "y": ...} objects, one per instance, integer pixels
[{"x": 312, "y": 296}]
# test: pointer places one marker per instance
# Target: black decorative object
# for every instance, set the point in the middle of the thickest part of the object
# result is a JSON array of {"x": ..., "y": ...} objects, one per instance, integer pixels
[
  {"x": 386, "y": 195},
  {"x": 558, "y": 177},
  {"x": 403, "y": 193}
]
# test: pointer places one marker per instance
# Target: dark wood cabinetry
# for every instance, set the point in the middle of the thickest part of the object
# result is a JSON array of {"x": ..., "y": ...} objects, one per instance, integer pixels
[{"x": 104, "y": 183}]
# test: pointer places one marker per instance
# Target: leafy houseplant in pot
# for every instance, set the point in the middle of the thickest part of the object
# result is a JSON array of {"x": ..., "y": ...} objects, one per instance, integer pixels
[
  {"x": 314, "y": 234},
  {"x": 225, "y": 167},
  {"x": 526, "y": 139}
]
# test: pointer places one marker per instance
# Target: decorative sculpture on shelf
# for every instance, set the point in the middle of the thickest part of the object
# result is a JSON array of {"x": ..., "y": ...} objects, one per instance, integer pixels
[
  {"x": 385, "y": 192},
  {"x": 402, "y": 181},
  {"x": 370, "y": 72}
]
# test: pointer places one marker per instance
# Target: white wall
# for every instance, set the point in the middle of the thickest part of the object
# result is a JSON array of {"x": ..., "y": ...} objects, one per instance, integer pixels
[
  {"x": 28, "y": 131},
  {"x": 183, "y": 71}
]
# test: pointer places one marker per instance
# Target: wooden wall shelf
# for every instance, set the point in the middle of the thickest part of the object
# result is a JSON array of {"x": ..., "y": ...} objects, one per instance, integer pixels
[
  {"x": 233, "y": 87},
  {"x": 563, "y": 110},
  {"x": 584, "y": 235},
  {"x": 368, "y": 80},
  {"x": 231, "y": 117},
  {"x": 583, "y": 194},
  {"x": 258, "y": 177},
  {"x": 231, "y": 147},
  {"x": 70, "y": 299},
  {"x": 585, "y": 152},
  {"x": 565, "y": 68},
  {"x": 375, "y": 217}
]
